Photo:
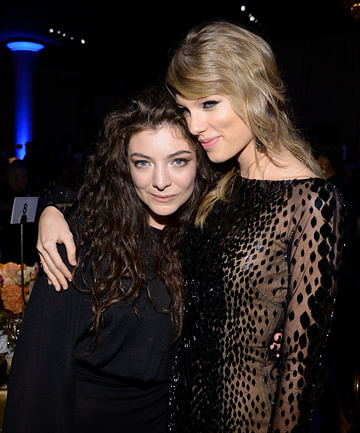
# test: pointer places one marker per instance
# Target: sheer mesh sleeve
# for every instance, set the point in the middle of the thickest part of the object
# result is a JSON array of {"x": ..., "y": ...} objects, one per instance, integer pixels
[{"x": 313, "y": 258}]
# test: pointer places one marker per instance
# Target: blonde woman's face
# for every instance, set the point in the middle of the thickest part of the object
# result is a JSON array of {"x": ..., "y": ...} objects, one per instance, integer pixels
[
  {"x": 163, "y": 170},
  {"x": 221, "y": 132}
]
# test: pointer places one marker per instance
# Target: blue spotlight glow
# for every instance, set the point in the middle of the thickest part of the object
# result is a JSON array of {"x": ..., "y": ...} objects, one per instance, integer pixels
[
  {"x": 25, "y": 46},
  {"x": 23, "y": 108},
  {"x": 24, "y": 57}
]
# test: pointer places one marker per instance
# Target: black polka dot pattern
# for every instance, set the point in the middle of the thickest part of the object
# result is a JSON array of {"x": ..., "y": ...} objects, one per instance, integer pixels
[{"x": 266, "y": 261}]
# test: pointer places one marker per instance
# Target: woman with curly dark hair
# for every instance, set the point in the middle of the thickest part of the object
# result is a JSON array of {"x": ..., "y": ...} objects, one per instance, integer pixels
[{"x": 96, "y": 358}]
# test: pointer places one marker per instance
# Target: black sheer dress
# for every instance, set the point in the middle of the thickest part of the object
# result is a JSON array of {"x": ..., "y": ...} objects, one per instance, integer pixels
[
  {"x": 57, "y": 384},
  {"x": 266, "y": 261}
]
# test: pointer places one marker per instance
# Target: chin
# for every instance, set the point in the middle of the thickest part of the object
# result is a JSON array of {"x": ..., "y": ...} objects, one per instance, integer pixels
[
  {"x": 217, "y": 159},
  {"x": 164, "y": 212}
]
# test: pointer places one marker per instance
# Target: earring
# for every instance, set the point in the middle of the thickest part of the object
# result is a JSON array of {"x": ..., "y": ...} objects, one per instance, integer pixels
[{"x": 259, "y": 144}]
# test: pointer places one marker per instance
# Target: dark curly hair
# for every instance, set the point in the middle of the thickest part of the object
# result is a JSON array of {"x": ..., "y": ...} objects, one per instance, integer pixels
[{"x": 111, "y": 222}]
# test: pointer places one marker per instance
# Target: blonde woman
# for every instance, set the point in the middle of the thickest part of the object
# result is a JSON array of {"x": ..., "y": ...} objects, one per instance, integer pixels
[{"x": 265, "y": 251}]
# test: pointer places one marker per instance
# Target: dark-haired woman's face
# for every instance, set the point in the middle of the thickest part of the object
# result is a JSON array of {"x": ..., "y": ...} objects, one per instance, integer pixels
[{"x": 163, "y": 170}]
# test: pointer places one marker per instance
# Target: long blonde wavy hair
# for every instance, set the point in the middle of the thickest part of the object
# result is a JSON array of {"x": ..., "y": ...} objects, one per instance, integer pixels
[{"x": 223, "y": 58}]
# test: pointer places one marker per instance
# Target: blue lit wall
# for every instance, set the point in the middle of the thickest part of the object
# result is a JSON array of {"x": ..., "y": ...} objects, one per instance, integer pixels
[
  {"x": 23, "y": 102},
  {"x": 24, "y": 57}
]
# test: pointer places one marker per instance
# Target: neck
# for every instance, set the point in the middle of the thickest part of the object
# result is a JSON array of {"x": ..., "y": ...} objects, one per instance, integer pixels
[
  {"x": 282, "y": 164},
  {"x": 255, "y": 164},
  {"x": 158, "y": 221}
]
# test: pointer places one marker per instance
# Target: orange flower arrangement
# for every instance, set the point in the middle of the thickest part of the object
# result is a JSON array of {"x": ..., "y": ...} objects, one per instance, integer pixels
[{"x": 10, "y": 285}]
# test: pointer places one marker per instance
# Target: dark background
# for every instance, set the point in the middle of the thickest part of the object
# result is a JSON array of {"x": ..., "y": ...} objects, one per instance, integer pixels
[{"x": 128, "y": 45}]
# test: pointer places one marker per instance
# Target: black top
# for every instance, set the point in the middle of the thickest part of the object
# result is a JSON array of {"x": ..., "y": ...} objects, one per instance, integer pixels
[
  {"x": 266, "y": 261},
  {"x": 120, "y": 387}
]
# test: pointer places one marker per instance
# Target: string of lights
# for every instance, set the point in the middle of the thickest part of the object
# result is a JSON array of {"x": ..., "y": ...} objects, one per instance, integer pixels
[
  {"x": 63, "y": 35},
  {"x": 251, "y": 17}
]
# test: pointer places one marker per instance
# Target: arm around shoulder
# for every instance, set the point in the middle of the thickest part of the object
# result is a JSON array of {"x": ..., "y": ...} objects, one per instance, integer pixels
[{"x": 53, "y": 230}]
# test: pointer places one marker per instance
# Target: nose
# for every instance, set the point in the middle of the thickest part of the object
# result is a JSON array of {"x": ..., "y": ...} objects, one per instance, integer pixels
[
  {"x": 161, "y": 178},
  {"x": 196, "y": 124}
]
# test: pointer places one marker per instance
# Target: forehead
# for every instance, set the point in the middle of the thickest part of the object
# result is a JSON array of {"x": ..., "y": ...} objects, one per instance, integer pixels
[{"x": 166, "y": 139}]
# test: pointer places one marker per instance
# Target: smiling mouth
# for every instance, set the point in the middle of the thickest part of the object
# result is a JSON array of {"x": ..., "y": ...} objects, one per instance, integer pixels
[{"x": 208, "y": 142}]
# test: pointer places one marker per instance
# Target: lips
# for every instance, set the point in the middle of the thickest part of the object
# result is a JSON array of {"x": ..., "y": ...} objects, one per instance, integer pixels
[
  {"x": 163, "y": 198},
  {"x": 208, "y": 143}
]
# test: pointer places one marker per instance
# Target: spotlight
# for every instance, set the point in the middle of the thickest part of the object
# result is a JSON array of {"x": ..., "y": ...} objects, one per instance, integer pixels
[{"x": 25, "y": 46}]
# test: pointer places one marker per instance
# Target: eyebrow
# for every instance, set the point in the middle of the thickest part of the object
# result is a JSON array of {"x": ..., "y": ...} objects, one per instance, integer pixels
[{"x": 179, "y": 152}]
